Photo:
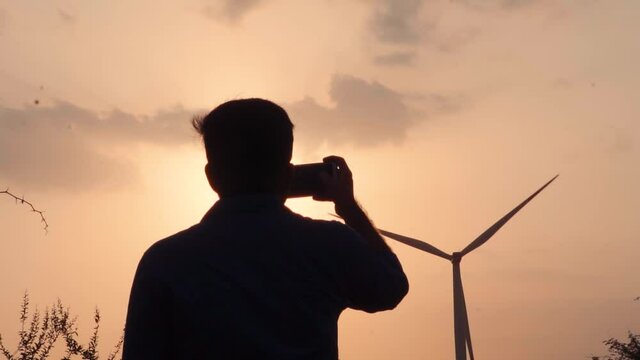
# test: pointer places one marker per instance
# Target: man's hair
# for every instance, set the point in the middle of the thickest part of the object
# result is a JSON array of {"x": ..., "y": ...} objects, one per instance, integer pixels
[{"x": 249, "y": 143}]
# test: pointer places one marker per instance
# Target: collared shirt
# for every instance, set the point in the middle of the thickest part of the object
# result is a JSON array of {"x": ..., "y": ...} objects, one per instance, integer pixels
[{"x": 253, "y": 280}]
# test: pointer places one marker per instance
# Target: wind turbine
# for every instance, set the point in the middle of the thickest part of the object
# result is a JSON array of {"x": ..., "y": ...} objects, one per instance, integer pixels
[{"x": 462, "y": 332}]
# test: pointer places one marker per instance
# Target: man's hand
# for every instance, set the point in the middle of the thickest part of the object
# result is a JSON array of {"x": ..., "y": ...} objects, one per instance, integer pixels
[{"x": 338, "y": 187}]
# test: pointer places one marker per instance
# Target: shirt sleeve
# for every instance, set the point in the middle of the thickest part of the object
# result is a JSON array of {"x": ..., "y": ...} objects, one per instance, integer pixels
[
  {"x": 148, "y": 325},
  {"x": 371, "y": 279}
]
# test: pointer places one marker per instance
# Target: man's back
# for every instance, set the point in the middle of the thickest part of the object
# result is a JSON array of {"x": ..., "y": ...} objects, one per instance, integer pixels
[{"x": 255, "y": 281}]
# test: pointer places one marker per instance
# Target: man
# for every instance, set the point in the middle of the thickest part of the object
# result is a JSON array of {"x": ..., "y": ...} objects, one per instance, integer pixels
[{"x": 253, "y": 280}]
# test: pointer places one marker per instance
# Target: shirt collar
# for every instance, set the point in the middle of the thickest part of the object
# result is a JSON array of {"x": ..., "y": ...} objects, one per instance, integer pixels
[{"x": 245, "y": 203}]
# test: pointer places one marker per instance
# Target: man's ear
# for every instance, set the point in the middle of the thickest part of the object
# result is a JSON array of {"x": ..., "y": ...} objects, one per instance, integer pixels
[
  {"x": 209, "y": 171},
  {"x": 288, "y": 177},
  {"x": 285, "y": 180},
  {"x": 289, "y": 173}
]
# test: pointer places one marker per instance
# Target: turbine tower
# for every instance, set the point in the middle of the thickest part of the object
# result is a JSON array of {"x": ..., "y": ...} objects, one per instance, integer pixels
[{"x": 462, "y": 332}]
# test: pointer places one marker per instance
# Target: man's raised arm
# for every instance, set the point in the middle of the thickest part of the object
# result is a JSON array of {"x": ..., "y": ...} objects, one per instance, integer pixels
[{"x": 375, "y": 280}]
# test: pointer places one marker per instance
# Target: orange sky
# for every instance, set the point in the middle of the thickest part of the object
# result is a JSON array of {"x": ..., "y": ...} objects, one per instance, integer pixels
[{"x": 449, "y": 112}]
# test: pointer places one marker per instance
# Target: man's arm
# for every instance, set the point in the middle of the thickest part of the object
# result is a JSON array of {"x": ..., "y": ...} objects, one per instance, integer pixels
[
  {"x": 358, "y": 220},
  {"x": 339, "y": 189},
  {"x": 375, "y": 280},
  {"x": 147, "y": 330}
]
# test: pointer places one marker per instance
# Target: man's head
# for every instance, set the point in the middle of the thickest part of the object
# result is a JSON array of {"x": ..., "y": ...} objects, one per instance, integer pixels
[{"x": 248, "y": 144}]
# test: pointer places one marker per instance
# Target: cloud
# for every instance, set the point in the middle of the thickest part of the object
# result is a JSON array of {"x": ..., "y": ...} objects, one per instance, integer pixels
[
  {"x": 513, "y": 4},
  {"x": 62, "y": 146},
  {"x": 65, "y": 147},
  {"x": 396, "y": 22},
  {"x": 502, "y": 4},
  {"x": 456, "y": 39},
  {"x": 400, "y": 28},
  {"x": 47, "y": 159},
  {"x": 363, "y": 114},
  {"x": 231, "y": 11},
  {"x": 396, "y": 58},
  {"x": 66, "y": 17}
]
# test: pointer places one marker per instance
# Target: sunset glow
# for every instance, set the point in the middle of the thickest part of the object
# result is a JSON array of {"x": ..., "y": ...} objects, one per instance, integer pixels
[{"x": 450, "y": 113}]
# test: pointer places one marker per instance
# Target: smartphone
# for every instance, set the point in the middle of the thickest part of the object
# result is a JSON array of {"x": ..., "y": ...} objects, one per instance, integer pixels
[{"x": 306, "y": 179}]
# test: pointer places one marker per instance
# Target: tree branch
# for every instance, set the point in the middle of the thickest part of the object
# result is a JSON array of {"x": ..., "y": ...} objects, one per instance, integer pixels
[{"x": 33, "y": 209}]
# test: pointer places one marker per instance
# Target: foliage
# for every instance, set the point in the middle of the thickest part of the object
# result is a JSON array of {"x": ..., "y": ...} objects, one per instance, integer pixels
[
  {"x": 619, "y": 350},
  {"x": 38, "y": 335}
]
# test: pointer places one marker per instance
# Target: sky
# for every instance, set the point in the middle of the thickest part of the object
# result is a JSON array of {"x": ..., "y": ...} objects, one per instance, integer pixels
[{"x": 448, "y": 112}]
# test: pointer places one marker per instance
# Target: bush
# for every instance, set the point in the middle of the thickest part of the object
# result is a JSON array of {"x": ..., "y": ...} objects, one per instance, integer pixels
[
  {"x": 619, "y": 350},
  {"x": 39, "y": 332}
]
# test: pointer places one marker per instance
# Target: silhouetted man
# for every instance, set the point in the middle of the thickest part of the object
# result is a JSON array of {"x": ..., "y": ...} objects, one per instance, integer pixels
[{"x": 253, "y": 280}]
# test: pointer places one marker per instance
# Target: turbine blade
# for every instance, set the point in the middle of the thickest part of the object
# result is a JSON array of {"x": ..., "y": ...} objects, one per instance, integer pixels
[
  {"x": 459, "y": 315},
  {"x": 421, "y": 245},
  {"x": 418, "y": 244},
  {"x": 465, "y": 316},
  {"x": 485, "y": 236}
]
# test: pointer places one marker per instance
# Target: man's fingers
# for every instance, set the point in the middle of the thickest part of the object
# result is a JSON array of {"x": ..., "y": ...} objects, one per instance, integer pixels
[
  {"x": 339, "y": 185},
  {"x": 342, "y": 164}
]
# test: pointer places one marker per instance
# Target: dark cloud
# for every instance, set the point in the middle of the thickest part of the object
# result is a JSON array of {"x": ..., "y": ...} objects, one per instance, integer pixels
[
  {"x": 502, "y": 4},
  {"x": 396, "y": 21},
  {"x": 363, "y": 114},
  {"x": 65, "y": 147},
  {"x": 396, "y": 58},
  {"x": 512, "y": 4},
  {"x": 230, "y": 10},
  {"x": 455, "y": 40},
  {"x": 66, "y": 17}
]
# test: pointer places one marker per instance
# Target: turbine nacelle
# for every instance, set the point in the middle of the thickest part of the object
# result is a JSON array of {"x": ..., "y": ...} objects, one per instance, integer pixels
[{"x": 456, "y": 257}]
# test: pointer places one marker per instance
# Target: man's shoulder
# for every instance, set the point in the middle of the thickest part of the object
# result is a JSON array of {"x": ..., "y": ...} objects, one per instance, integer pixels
[
  {"x": 174, "y": 244},
  {"x": 316, "y": 224},
  {"x": 325, "y": 228}
]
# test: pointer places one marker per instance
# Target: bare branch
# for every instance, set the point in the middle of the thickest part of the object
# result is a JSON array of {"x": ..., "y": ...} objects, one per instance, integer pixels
[{"x": 33, "y": 209}]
